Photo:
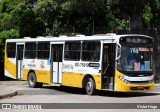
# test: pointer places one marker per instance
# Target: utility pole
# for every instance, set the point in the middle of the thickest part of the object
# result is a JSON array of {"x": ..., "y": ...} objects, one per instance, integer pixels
[
  {"x": 129, "y": 24},
  {"x": 93, "y": 27},
  {"x": 53, "y": 29}
]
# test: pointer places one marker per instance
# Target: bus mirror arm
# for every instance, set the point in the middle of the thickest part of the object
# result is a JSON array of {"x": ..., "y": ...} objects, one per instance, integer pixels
[{"x": 118, "y": 57}]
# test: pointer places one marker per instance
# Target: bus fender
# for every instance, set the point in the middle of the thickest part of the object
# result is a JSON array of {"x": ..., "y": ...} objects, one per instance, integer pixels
[{"x": 84, "y": 81}]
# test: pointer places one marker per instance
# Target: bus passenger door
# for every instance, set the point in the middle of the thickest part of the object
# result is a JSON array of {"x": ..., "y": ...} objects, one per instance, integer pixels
[
  {"x": 19, "y": 61},
  {"x": 108, "y": 66},
  {"x": 56, "y": 63}
]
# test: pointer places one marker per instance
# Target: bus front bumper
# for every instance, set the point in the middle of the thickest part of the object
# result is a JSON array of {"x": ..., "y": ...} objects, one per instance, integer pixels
[{"x": 124, "y": 87}]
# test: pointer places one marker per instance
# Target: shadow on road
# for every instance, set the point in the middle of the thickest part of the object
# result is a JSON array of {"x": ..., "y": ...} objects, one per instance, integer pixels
[
  {"x": 67, "y": 90},
  {"x": 6, "y": 79},
  {"x": 125, "y": 94},
  {"x": 71, "y": 90},
  {"x": 52, "y": 90}
]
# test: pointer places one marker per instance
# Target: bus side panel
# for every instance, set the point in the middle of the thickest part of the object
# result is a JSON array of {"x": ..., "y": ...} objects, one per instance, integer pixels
[
  {"x": 123, "y": 87},
  {"x": 25, "y": 73},
  {"x": 43, "y": 76},
  {"x": 76, "y": 79},
  {"x": 72, "y": 79},
  {"x": 40, "y": 67},
  {"x": 10, "y": 67},
  {"x": 75, "y": 71},
  {"x": 97, "y": 79}
]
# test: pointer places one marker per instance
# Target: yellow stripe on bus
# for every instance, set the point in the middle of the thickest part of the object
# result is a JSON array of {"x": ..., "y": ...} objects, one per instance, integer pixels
[
  {"x": 42, "y": 75},
  {"x": 75, "y": 79},
  {"x": 10, "y": 67}
]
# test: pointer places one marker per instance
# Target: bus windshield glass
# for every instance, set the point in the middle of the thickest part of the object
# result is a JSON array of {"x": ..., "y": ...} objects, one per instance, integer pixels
[{"x": 135, "y": 58}]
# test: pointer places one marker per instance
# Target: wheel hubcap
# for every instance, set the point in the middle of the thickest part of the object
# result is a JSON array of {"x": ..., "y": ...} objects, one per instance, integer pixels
[
  {"x": 89, "y": 86},
  {"x": 31, "y": 80}
]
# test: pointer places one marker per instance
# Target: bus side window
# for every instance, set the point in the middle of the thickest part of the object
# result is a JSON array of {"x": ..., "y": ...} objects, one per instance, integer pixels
[
  {"x": 72, "y": 50},
  {"x": 30, "y": 50},
  {"x": 91, "y": 51},
  {"x": 43, "y": 50},
  {"x": 11, "y": 50}
]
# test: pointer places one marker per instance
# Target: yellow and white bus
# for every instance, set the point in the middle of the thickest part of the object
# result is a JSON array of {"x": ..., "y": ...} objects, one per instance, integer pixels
[{"x": 111, "y": 62}]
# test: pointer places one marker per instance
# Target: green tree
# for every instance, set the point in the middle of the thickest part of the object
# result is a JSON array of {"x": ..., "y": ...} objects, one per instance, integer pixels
[
  {"x": 155, "y": 10},
  {"x": 147, "y": 15},
  {"x": 130, "y": 10},
  {"x": 48, "y": 11},
  {"x": 31, "y": 26},
  {"x": 7, "y": 34},
  {"x": 26, "y": 23},
  {"x": 115, "y": 23}
]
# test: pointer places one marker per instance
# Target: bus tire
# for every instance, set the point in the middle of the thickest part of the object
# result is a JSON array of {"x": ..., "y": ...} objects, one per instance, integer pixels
[
  {"x": 90, "y": 86},
  {"x": 32, "y": 81}
]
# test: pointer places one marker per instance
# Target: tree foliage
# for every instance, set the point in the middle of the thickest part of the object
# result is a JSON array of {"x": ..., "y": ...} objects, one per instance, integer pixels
[
  {"x": 31, "y": 26},
  {"x": 147, "y": 15},
  {"x": 20, "y": 18},
  {"x": 47, "y": 17}
]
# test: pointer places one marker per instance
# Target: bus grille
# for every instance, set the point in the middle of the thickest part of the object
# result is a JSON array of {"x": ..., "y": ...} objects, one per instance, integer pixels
[
  {"x": 138, "y": 75},
  {"x": 139, "y": 82}
]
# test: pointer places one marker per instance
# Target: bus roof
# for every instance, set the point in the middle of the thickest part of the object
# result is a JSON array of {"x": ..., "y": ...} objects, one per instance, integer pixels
[{"x": 73, "y": 38}]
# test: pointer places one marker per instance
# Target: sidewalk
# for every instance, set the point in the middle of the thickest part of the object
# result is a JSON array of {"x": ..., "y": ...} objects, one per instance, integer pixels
[
  {"x": 4, "y": 91},
  {"x": 7, "y": 93}
]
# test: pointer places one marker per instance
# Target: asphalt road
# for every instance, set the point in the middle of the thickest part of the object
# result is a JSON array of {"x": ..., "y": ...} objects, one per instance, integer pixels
[
  {"x": 50, "y": 94},
  {"x": 23, "y": 89}
]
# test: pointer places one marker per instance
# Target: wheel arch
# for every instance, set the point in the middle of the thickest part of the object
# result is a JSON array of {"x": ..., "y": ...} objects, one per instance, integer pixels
[
  {"x": 31, "y": 70},
  {"x": 84, "y": 81},
  {"x": 36, "y": 84}
]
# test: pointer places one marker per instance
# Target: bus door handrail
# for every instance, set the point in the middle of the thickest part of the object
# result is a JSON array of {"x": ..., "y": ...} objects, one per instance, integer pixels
[{"x": 106, "y": 69}]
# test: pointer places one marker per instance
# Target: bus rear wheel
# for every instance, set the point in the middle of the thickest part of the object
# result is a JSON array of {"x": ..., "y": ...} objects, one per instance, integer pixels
[
  {"x": 32, "y": 80},
  {"x": 90, "y": 86}
]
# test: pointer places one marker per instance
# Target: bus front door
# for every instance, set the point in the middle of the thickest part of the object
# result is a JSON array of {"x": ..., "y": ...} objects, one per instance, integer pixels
[
  {"x": 56, "y": 65},
  {"x": 108, "y": 66},
  {"x": 19, "y": 61}
]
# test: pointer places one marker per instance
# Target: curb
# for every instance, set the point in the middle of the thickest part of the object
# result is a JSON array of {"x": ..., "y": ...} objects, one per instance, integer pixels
[{"x": 7, "y": 93}]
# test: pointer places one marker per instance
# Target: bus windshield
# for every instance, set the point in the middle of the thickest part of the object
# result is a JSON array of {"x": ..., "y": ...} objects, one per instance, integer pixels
[{"x": 135, "y": 58}]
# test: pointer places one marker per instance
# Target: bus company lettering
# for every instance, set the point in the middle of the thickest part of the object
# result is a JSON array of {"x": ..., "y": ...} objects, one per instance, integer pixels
[
  {"x": 81, "y": 65},
  {"x": 94, "y": 65},
  {"x": 32, "y": 64},
  {"x": 69, "y": 66}
]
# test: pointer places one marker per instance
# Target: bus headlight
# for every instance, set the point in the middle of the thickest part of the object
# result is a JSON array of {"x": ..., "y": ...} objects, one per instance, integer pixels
[
  {"x": 123, "y": 80},
  {"x": 152, "y": 79}
]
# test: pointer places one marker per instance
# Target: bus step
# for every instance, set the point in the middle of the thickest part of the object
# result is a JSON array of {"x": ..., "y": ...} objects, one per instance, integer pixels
[
  {"x": 105, "y": 86},
  {"x": 54, "y": 84},
  {"x": 107, "y": 89}
]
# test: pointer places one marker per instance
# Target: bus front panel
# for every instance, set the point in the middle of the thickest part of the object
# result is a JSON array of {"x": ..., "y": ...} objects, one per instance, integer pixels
[{"x": 134, "y": 70}]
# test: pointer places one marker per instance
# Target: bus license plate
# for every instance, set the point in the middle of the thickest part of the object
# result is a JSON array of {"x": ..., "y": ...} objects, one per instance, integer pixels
[{"x": 140, "y": 87}]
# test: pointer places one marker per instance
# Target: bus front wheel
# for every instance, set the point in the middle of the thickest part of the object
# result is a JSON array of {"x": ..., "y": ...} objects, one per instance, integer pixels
[
  {"x": 90, "y": 86},
  {"x": 32, "y": 80}
]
